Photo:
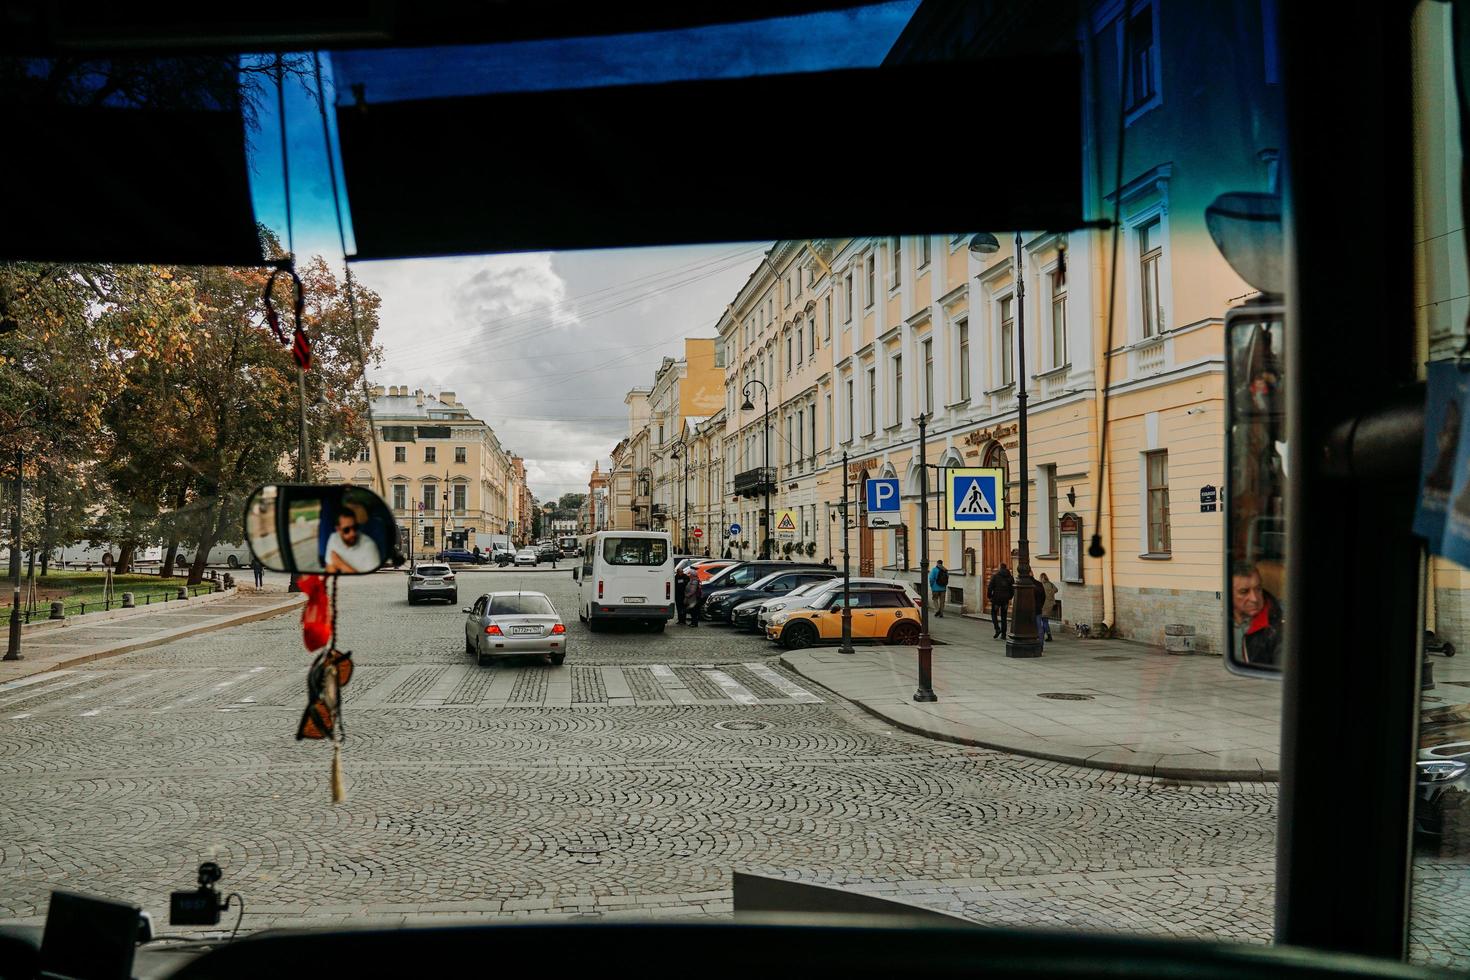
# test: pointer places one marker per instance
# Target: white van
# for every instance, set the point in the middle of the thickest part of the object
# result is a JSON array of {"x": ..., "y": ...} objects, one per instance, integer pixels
[{"x": 626, "y": 575}]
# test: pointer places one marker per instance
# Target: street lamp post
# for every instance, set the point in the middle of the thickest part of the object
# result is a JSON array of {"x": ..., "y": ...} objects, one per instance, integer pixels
[
  {"x": 926, "y": 646},
  {"x": 1023, "y": 640},
  {"x": 846, "y": 646},
  {"x": 766, "y": 451}
]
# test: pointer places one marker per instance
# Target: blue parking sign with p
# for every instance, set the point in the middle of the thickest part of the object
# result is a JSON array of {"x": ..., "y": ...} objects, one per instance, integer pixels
[{"x": 881, "y": 501}]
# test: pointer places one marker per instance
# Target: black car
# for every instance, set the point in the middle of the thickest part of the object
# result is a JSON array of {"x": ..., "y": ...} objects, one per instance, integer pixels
[
  {"x": 744, "y": 574},
  {"x": 719, "y": 606},
  {"x": 548, "y": 552},
  {"x": 462, "y": 556}
]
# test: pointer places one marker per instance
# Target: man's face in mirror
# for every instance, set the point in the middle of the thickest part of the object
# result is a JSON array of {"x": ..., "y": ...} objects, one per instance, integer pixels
[
  {"x": 347, "y": 527},
  {"x": 1247, "y": 596}
]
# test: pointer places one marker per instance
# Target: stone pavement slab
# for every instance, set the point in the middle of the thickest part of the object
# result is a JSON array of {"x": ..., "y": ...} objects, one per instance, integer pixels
[
  {"x": 49, "y": 646},
  {"x": 1104, "y": 704}
]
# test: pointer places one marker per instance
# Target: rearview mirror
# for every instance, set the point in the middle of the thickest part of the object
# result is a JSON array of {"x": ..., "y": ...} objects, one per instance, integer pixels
[
  {"x": 315, "y": 529},
  {"x": 1255, "y": 485}
]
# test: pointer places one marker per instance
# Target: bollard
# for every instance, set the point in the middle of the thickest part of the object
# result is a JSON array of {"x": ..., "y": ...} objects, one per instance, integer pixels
[
  {"x": 58, "y": 610},
  {"x": 183, "y": 594},
  {"x": 229, "y": 581},
  {"x": 128, "y": 600}
]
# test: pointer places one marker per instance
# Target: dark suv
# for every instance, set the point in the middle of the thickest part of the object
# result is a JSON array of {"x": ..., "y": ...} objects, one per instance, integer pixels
[
  {"x": 743, "y": 574},
  {"x": 719, "y": 607}
]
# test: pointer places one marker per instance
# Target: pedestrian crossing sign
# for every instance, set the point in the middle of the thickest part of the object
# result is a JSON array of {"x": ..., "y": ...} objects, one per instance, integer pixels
[
  {"x": 786, "y": 523},
  {"x": 976, "y": 500}
]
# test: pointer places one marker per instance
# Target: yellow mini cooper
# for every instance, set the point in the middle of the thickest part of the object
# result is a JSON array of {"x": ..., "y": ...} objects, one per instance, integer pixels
[{"x": 883, "y": 615}]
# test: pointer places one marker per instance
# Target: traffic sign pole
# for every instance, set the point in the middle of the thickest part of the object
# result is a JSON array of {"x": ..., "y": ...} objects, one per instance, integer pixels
[
  {"x": 846, "y": 646},
  {"x": 926, "y": 646}
]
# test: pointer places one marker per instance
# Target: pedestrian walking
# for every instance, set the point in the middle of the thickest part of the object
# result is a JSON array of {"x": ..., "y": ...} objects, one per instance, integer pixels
[
  {"x": 477, "y": 551},
  {"x": 693, "y": 599},
  {"x": 259, "y": 570},
  {"x": 681, "y": 579},
  {"x": 1048, "y": 607},
  {"x": 938, "y": 587},
  {"x": 999, "y": 591}
]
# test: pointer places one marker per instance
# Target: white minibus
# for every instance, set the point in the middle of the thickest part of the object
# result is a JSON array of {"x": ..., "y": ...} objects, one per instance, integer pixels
[{"x": 626, "y": 575}]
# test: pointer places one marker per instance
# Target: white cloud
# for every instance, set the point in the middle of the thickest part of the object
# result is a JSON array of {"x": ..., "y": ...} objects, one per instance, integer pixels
[{"x": 544, "y": 346}]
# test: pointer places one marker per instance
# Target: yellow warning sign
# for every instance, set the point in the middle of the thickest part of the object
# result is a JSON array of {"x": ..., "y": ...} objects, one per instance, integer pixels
[{"x": 786, "y": 523}]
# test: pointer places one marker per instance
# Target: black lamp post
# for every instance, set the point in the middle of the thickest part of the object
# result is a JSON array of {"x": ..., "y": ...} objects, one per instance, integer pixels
[
  {"x": 925, "y": 690},
  {"x": 1022, "y": 641},
  {"x": 846, "y": 646},
  {"x": 766, "y": 452}
]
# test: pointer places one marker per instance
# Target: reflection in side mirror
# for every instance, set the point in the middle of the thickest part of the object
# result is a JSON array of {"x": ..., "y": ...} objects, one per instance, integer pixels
[
  {"x": 1255, "y": 487},
  {"x": 316, "y": 529}
]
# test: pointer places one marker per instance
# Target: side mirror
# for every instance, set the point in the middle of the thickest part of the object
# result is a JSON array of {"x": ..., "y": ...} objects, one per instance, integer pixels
[
  {"x": 1255, "y": 487},
  {"x": 315, "y": 529}
]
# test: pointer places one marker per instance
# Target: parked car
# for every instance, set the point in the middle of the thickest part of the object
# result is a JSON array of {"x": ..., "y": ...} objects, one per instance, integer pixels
[
  {"x": 528, "y": 556},
  {"x": 741, "y": 574},
  {"x": 1442, "y": 773},
  {"x": 502, "y": 555},
  {"x": 707, "y": 568},
  {"x": 746, "y": 615},
  {"x": 719, "y": 604},
  {"x": 460, "y": 555},
  {"x": 511, "y": 624},
  {"x": 811, "y": 596},
  {"x": 430, "y": 581},
  {"x": 878, "y": 615},
  {"x": 548, "y": 552}
]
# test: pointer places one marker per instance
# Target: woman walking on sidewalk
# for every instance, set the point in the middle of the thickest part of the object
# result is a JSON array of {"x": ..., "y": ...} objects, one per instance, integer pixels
[{"x": 1047, "y": 601}]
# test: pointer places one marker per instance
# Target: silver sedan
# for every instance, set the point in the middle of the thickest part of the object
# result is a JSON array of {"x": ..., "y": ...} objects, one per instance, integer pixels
[{"x": 514, "y": 624}]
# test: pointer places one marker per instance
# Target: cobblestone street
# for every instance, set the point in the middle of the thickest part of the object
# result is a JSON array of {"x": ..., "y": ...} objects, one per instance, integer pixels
[{"x": 630, "y": 781}]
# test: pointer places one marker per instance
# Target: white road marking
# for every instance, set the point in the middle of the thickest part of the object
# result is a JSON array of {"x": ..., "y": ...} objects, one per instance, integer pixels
[
  {"x": 786, "y": 687},
  {"x": 733, "y": 689},
  {"x": 50, "y": 675}
]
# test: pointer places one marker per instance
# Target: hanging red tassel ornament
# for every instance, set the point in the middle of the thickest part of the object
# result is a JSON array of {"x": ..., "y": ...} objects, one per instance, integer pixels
[{"x": 316, "y": 617}]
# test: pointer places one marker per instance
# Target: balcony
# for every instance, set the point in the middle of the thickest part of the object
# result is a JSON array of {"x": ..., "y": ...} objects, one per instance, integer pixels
[
  {"x": 754, "y": 483},
  {"x": 660, "y": 512}
]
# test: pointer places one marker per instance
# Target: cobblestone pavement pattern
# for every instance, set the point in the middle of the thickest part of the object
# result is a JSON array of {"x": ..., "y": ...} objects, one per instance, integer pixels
[{"x": 629, "y": 782}]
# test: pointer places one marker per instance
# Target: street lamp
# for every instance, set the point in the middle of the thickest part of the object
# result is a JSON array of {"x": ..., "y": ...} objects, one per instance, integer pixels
[
  {"x": 766, "y": 451},
  {"x": 681, "y": 451},
  {"x": 1023, "y": 640}
]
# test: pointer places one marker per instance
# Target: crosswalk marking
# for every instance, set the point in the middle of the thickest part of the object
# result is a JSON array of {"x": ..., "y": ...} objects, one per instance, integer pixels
[
  {"x": 792, "y": 690},
  {"x": 736, "y": 691},
  {"x": 672, "y": 686}
]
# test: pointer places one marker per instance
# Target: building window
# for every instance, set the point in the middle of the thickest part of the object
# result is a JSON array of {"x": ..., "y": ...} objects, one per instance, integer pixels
[
  {"x": 1150, "y": 251},
  {"x": 798, "y": 282},
  {"x": 1052, "y": 512},
  {"x": 459, "y": 496},
  {"x": 964, "y": 332},
  {"x": 660, "y": 433},
  {"x": 459, "y": 454},
  {"x": 1142, "y": 57},
  {"x": 1157, "y": 464},
  {"x": 400, "y": 496},
  {"x": 429, "y": 454},
  {"x": 847, "y": 308},
  {"x": 826, "y": 321},
  {"x": 428, "y": 535},
  {"x": 1059, "y": 316},
  {"x": 872, "y": 277},
  {"x": 897, "y": 389},
  {"x": 928, "y": 375},
  {"x": 850, "y": 427},
  {"x": 896, "y": 248},
  {"x": 925, "y": 254},
  {"x": 365, "y": 455},
  {"x": 789, "y": 360},
  {"x": 872, "y": 400},
  {"x": 800, "y": 444},
  {"x": 400, "y": 454},
  {"x": 1007, "y": 341},
  {"x": 429, "y": 500},
  {"x": 812, "y": 409},
  {"x": 811, "y": 325}
]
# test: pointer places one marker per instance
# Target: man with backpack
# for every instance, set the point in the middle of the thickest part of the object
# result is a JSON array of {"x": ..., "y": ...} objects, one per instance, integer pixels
[{"x": 938, "y": 587}]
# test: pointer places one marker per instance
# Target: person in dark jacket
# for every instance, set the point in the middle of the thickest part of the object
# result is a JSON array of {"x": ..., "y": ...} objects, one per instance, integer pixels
[
  {"x": 680, "y": 577},
  {"x": 1000, "y": 591},
  {"x": 1257, "y": 618},
  {"x": 693, "y": 598},
  {"x": 259, "y": 570}
]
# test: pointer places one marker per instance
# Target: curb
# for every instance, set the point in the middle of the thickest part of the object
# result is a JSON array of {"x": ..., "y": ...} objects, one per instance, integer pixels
[
  {"x": 295, "y": 600},
  {"x": 1159, "y": 772}
]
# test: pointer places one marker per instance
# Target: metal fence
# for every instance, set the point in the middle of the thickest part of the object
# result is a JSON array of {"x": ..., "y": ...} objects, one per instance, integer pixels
[{"x": 82, "y": 606}]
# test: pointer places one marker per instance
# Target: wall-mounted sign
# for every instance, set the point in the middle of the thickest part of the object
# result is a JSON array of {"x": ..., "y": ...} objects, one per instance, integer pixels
[
  {"x": 786, "y": 523},
  {"x": 976, "y": 500},
  {"x": 1208, "y": 496},
  {"x": 981, "y": 436},
  {"x": 881, "y": 497},
  {"x": 1070, "y": 528}
]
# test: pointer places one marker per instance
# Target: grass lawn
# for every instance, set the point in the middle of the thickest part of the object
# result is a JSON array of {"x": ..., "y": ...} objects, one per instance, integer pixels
[{"x": 74, "y": 588}]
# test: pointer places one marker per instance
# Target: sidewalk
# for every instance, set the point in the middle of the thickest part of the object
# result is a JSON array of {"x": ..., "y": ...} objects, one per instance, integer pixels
[
  {"x": 1141, "y": 710},
  {"x": 49, "y": 645}
]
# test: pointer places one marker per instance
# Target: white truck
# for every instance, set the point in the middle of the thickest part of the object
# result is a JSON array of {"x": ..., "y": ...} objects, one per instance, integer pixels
[{"x": 627, "y": 575}]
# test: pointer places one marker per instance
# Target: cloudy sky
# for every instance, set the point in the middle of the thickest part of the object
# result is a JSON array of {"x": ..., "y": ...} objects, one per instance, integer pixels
[{"x": 544, "y": 346}]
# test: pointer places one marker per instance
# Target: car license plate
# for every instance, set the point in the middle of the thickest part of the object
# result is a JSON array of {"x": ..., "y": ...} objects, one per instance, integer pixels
[
  {"x": 634, "y": 598},
  {"x": 524, "y": 630}
]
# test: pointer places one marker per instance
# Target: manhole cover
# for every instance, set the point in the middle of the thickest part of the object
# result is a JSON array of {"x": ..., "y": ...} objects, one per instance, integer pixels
[
  {"x": 1066, "y": 697},
  {"x": 1111, "y": 659},
  {"x": 741, "y": 726}
]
